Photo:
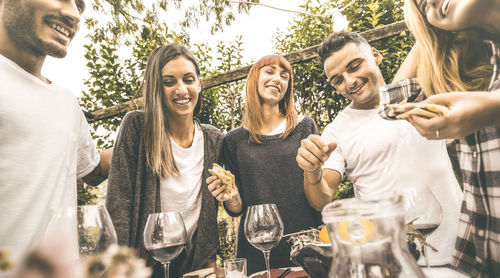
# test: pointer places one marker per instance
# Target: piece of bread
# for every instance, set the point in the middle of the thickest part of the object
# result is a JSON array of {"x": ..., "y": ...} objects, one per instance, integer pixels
[
  {"x": 417, "y": 111},
  {"x": 426, "y": 110},
  {"x": 201, "y": 273},
  {"x": 436, "y": 108},
  {"x": 225, "y": 176}
]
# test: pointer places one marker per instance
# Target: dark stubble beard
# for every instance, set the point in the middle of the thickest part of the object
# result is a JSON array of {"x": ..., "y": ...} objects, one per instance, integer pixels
[{"x": 19, "y": 21}]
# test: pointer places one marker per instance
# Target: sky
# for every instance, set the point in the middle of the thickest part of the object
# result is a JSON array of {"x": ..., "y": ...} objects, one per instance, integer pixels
[{"x": 257, "y": 30}]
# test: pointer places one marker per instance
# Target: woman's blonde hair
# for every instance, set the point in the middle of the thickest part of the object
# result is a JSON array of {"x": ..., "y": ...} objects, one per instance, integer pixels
[
  {"x": 157, "y": 146},
  {"x": 252, "y": 119},
  {"x": 448, "y": 61}
]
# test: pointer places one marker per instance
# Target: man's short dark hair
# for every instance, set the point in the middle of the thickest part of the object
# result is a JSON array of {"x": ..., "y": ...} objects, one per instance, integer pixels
[{"x": 336, "y": 41}]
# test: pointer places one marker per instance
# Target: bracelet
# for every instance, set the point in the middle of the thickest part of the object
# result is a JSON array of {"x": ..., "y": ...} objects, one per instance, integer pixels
[{"x": 320, "y": 176}]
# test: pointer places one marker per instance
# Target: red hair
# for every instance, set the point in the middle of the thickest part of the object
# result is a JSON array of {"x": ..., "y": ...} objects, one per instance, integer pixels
[{"x": 252, "y": 119}]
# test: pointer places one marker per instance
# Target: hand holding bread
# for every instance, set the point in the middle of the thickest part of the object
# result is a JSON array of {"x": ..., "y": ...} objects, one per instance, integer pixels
[
  {"x": 463, "y": 113},
  {"x": 425, "y": 110},
  {"x": 222, "y": 183}
]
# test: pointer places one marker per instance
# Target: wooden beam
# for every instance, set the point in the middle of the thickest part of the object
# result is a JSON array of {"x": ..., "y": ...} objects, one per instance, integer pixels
[{"x": 241, "y": 73}]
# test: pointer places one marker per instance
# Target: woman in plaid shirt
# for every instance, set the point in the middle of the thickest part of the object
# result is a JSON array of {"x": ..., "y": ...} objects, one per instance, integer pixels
[{"x": 461, "y": 61}]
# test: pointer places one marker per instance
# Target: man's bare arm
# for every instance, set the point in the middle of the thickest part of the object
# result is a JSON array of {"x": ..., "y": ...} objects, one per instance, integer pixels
[
  {"x": 320, "y": 187},
  {"x": 101, "y": 172}
]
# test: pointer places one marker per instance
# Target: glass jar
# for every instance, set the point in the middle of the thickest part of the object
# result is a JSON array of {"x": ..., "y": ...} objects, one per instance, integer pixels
[{"x": 368, "y": 239}]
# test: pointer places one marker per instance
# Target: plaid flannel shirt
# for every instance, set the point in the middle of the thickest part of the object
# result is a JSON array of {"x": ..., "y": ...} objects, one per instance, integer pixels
[{"x": 477, "y": 250}]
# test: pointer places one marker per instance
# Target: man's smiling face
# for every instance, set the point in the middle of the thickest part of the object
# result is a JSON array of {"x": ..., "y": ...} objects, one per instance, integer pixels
[
  {"x": 43, "y": 27},
  {"x": 353, "y": 71}
]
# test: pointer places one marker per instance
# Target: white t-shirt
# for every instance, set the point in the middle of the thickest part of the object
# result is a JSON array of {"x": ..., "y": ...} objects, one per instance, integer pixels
[
  {"x": 45, "y": 144},
  {"x": 282, "y": 126},
  {"x": 182, "y": 193},
  {"x": 379, "y": 156}
]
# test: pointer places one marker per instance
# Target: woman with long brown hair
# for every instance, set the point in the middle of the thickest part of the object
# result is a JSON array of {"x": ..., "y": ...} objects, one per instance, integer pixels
[
  {"x": 458, "y": 50},
  {"x": 161, "y": 159},
  {"x": 261, "y": 154}
]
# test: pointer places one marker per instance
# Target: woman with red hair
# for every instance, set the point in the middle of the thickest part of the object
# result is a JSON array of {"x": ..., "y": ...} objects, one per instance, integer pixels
[{"x": 261, "y": 154}]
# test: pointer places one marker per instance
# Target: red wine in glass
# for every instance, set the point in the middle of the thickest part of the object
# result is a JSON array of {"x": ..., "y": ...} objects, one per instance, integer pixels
[
  {"x": 423, "y": 209},
  {"x": 265, "y": 245},
  {"x": 426, "y": 228},
  {"x": 165, "y": 237},
  {"x": 167, "y": 253},
  {"x": 263, "y": 228}
]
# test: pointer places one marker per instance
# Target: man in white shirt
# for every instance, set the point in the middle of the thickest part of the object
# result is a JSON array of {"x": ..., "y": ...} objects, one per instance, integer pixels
[
  {"x": 45, "y": 143},
  {"x": 378, "y": 156}
]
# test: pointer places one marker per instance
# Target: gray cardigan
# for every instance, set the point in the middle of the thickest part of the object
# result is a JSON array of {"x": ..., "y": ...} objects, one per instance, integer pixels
[{"x": 133, "y": 192}]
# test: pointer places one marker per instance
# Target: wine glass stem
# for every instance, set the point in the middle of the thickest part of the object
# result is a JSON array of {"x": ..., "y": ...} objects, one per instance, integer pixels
[
  {"x": 166, "y": 268},
  {"x": 424, "y": 251},
  {"x": 268, "y": 267}
]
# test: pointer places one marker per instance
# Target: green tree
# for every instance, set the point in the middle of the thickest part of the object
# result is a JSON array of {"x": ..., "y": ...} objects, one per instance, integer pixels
[
  {"x": 313, "y": 96},
  {"x": 118, "y": 49},
  {"x": 222, "y": 105},
  {"x": 124, "y": 17}
]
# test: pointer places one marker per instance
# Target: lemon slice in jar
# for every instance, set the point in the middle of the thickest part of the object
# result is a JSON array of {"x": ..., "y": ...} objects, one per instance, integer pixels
[
  {"x": 358, "y": 231},
  {"x": 323, "y": 235}
]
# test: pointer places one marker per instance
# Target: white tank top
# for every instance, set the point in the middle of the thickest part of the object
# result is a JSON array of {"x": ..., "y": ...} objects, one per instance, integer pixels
[{"x": 182, "y": 193}]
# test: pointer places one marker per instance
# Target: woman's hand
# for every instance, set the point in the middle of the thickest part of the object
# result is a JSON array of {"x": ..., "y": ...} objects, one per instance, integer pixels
[
  {"x": 219, "y": 191},
  {"x": 469, "y": 112}
]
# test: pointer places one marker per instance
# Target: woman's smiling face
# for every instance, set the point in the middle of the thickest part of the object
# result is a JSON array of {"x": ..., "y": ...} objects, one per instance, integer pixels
[
  {"x": 181, "y": 87},
  {"x": 272, "y": 84},
  {"x": 454, "y": 14}
]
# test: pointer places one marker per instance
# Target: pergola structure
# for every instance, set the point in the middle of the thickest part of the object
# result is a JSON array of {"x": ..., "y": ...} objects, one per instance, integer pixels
[{"x": 240, "y": 73}]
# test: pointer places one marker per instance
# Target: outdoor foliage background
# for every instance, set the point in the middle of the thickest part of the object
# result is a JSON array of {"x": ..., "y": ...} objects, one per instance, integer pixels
[{"x": 137, "y": 29}]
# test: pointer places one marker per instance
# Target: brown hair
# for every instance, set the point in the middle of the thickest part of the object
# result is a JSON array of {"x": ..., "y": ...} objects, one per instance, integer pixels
[
  {"x": 337, "y": 41},
  {"x": 159, "y": 155},
  {"x": 448, "y": 61},
  {"x": 252, "y": 119}
]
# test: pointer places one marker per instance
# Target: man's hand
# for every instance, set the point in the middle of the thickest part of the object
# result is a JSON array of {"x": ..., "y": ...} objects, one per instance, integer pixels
[
  {"x": 319, "y": 187},
  {"x": 100, "y": 173},
  {"x": 313, "y": 153}
]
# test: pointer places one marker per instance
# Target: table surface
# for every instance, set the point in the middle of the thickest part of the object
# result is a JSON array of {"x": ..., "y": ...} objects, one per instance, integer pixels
[
  {"x": 443, "y": 272},
  {"x": 277, "y": 272},
  {"x": 436, "y": 271}
]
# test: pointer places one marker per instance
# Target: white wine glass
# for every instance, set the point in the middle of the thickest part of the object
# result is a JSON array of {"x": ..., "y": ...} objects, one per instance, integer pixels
[
  {"x": 165, "y": 237},
  {"x": 95, "y": 229},
  {"x": 422, "y": 207},
  {"x": 263, "y": 228}
]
